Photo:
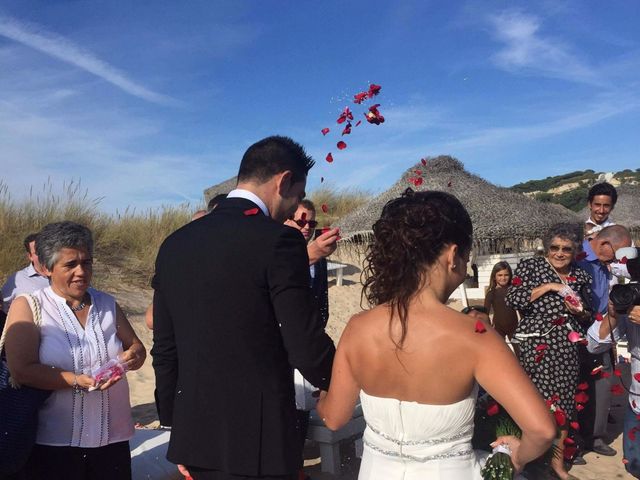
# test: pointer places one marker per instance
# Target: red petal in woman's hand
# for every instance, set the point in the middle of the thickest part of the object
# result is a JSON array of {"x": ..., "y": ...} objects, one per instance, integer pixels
[
  {"x": 575, "y": 425},
  {"x": 329, "y": 157},
  {"x": 341, "y": 145},
  {"x": 325, "y": 131},
  {"x": 542, "y": 347},
  {"x": 583, "y": 386},
  {"x": 480, "y": 328}
]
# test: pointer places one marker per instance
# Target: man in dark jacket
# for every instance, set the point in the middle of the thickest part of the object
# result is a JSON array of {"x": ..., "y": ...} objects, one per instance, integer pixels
[{"x": 233, "y": 316}]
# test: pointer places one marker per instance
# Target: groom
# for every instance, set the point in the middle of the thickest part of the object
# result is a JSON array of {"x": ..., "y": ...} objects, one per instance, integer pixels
[{"x": 233, "y": 316}]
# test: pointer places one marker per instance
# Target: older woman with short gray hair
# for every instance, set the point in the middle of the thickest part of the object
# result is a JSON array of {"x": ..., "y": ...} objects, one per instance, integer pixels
[
  {"x": 85, "y": 425},
  {"x": 552, "y": 294}
]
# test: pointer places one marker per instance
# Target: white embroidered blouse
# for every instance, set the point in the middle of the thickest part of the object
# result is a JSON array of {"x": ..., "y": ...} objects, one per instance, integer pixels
[{"x": 89, "y": 419}]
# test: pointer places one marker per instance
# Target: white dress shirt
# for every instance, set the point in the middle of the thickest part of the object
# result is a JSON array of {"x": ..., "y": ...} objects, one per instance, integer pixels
[
  {"x": 247, "y": 195},
  {"x": 26, "y": 280}
]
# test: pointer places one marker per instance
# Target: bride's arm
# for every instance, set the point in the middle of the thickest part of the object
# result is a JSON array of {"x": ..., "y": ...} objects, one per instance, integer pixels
[
  {"x": 336, "y": 407},
  {"x": 498, "y": 371}
]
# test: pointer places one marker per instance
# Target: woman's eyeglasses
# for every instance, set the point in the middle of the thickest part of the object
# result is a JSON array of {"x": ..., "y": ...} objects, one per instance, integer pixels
[
  {"x": 303, "y": 222},
  {"x": 558, "y": 248}
]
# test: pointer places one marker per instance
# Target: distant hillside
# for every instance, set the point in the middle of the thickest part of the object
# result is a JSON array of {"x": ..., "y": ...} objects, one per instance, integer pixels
[{"x": 570, "y": 189}]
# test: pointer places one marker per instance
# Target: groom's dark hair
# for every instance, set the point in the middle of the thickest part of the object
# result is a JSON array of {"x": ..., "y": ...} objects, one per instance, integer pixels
[{"x": 273, "y": 155}]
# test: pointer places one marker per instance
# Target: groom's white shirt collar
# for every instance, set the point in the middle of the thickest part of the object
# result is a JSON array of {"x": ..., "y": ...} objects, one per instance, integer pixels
[{"x": 247, "y": 195}]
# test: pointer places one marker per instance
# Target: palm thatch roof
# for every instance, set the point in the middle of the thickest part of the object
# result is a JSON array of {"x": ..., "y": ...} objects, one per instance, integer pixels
[
  {"x": 224, "y": 187},
  {"x": 627, "y": 209},
  {"x": 503, "y": 220}
]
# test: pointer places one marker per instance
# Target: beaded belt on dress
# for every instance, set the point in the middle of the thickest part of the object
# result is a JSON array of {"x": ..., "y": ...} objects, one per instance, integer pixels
[{"x": 432, "y": 441}]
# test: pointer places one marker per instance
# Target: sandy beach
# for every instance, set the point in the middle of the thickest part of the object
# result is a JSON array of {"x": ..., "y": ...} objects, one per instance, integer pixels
[{"x": 344, "y": 302}]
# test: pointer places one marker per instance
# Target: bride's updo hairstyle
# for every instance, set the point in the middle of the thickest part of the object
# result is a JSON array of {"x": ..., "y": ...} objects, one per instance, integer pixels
[{"x": 408, "y": 239}]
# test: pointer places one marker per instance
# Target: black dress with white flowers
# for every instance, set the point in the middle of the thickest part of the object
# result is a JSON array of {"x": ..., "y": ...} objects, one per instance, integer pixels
[{"x": 551, "y": 359}]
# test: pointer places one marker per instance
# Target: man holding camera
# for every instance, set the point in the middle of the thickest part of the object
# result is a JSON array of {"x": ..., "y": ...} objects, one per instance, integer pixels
[{"x": 624, "y": 319}]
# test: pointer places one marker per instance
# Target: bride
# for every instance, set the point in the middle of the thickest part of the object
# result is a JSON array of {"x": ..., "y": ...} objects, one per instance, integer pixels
[{"x": 416, "y": 363}]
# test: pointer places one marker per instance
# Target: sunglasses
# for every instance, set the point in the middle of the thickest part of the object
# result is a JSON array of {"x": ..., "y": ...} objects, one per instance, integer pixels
[
  {"x": 557, "y": 248},
  {"x": 301, "y": 222}
]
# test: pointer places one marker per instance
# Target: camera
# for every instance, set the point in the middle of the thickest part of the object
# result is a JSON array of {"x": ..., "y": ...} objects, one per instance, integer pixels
[{"x": 626, "y": 296}]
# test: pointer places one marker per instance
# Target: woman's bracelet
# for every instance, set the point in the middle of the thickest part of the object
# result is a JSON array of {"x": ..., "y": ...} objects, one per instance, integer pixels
[{"x": 76, "y": 388}]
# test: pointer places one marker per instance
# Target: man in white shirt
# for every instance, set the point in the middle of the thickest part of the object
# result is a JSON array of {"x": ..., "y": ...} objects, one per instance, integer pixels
[{"x": 27, "y": 280}]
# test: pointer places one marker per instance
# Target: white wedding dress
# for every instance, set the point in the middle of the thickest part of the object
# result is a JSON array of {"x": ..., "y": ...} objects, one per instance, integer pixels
[{"x": 415, "y": 441}]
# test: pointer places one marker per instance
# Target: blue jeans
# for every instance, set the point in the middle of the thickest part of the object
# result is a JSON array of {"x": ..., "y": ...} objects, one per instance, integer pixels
[{"x": 631, "y": 447}]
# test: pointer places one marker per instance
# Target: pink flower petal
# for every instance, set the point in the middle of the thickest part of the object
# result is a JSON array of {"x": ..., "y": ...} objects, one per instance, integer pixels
[{"x": 325, "y": 131}]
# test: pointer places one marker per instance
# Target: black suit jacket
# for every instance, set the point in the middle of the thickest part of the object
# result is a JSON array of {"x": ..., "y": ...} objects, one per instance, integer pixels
[{"x": 233, "y": 314}]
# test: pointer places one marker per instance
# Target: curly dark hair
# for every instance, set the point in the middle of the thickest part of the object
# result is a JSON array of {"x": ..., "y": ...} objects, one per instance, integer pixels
[{"x": 408, "y": 239}]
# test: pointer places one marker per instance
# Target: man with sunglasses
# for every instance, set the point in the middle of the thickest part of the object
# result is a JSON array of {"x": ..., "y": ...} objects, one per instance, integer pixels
[
  {"x": 304, "y": 219},
  {"x": 599, "y": 254}
]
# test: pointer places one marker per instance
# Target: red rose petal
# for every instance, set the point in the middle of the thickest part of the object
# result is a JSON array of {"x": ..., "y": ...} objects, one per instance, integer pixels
[
  {"x": 579, "y": 407},
  {"x": 516, "y": 281},
  {"x": 374, "y": 90},
  {"x": 604, "y": 374},
  {"x": 251, "y": 211},
  {"x": 538, "y": 358},
  {"x": 417, "y": 181},
  {"x": 341, "y": 145},
  {"x": 493, "y": 409},
  {"x": 632, "y": 434},
  {"x": 542, "y": 347},
  {"x": 617, "y": 372},
  {"x": 360, "y": 97},
  {"x": 575, "y": 425},
  {"x": 480, "y": 328},
  {"x": 418, "y": 172},
  {"x": 559, "y": 321},
  {"x": 347, "y": 129},
  {"x": 596, "y": 370},
  {"x": 424, "y": 161},
  {"x": 571, "y": 279},
  {"x": 325, "y": 131},
  {"x": 574, "y": 336},
  {"x": 624, "y": 260},
  {"x": 358, "y": 122},
  {"x": 636, "y": 377},
  {"x": 569, "y": 441},
  {"x": 617, "y": 389},
  {"x": 329, "y": 157},
  {"x": 598, "y": 317},
  {"x": 325, "y": 208},
  {"x": 561, "y": 417},
  {"x": 625, "y": 461},
  {"x": 583, "y": 386},
  {"x": 581, "y": 397}
]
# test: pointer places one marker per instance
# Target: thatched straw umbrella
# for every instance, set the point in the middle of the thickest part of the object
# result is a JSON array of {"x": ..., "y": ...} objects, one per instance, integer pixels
[
  {"x": 503, "y": 221},
  {"x": 626, "y": 211},
  {"x": 224, "y": 187}
]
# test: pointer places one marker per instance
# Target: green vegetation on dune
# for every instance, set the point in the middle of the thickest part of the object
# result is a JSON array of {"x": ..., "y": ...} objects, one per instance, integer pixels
[
  {"x": 126, "y": 244},
  {"x": 575, "y": 197}
]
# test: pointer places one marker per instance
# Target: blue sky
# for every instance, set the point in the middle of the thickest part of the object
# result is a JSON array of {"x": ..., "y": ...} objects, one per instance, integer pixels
[{"x": 148, "y": 103}]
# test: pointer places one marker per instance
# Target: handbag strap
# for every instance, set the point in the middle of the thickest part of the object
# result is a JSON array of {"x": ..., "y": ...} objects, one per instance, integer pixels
[{"x": 36, "y": 311}]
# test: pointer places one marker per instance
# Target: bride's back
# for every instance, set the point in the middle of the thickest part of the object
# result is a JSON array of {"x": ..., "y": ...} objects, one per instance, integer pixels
[{"x": 435, "y": 364}]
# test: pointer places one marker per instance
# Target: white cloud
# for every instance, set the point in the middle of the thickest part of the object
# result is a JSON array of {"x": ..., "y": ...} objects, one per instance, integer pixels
[
  {"x": 63, "y": 49},
  {"x": 525, "y": 48}
]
